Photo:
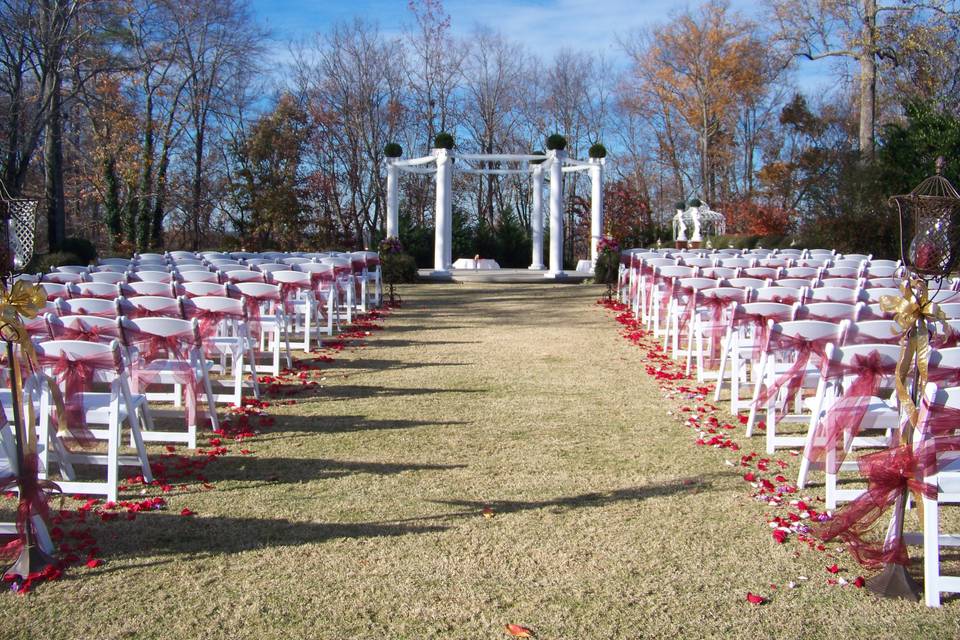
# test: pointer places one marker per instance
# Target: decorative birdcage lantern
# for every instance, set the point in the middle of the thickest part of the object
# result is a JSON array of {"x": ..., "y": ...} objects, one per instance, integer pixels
[
  {"x": 934, "y": 206},
  {"x": 17, "y": 232}
]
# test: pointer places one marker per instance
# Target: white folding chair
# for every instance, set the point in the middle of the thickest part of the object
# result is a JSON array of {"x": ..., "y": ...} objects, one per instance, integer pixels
[
  {"x": 262, "y": 305},
  {"x": 99, "y": 363},
  {"x": 225, "y": 339},
  {"x": 789, "y": 367},
  {"x": 299, "y": 306},
  {"x": 170, "y": 354}
]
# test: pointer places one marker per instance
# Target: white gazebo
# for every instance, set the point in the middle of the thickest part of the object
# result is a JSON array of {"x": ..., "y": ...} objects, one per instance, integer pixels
[
  {"x": 697, "y": 221},
  {"x": 554, "y": 163}
]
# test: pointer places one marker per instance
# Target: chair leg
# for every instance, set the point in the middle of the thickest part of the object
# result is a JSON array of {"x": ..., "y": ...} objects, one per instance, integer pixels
[{"x": 931, "y": 552}]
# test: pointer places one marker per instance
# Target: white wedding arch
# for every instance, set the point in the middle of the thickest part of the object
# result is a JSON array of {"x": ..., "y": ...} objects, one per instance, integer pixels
[{"x": 554, "y": 163}]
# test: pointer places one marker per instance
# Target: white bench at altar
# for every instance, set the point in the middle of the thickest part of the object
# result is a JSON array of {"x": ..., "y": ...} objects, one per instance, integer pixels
[
  {"x": 584, "y": 266},
  {"x": 469, "y": 263}
]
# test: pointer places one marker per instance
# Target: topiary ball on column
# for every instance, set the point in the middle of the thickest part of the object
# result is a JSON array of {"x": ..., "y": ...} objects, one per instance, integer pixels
[
  {"x": 392, "y": 150},
  {"x": 598, "y": 151},
  {"x": 443, "y": 140},
  {"x": 556, "y": 142}
]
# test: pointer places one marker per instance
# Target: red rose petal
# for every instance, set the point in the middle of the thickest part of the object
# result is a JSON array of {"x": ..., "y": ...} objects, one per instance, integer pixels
[
  {"x": 187, "y": 512},
  {"x": 754, "y": 598}
]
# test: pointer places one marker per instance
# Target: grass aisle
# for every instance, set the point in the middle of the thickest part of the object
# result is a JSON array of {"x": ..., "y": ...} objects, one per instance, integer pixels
[{"x": 496, "y": 455}]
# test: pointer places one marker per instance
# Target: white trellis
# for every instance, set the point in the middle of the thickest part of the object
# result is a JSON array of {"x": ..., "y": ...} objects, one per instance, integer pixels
[{"x": 555, "y": 163}]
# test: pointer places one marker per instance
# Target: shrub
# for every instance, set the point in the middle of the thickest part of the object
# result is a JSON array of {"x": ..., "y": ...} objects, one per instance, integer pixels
[
  {"x": 607, "y": 268},
  {"x": 556, "y": 142},
  {"x": 392, "y": 150},
  {"x": 398, "y": 268},
  {"x": 44, "y": 262},
  {"x": 598, "y": 151},
  {"x": 443, "y": 140},
  {"x": 85, "y": 250}
]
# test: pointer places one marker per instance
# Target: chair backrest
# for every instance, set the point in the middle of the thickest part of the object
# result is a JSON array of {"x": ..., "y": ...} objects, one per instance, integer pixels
[
  {"x": 132, "y": 330},
  {"x": 790, "y": 252},
  {"x": 216, "y": 304},
  {"x": 814, "y": 262},
  {"x": 785, "y": 295},
  {"x": 891, "y": 264},
  {"x": 257, "y": 290},
  {"x": 764, "y": 273},
  {"x": 890, "y": 283},
  {"x": 775, "y": 262},
  {"x": 719, "y": 272},
  {"x": 695, "y": 261},
  {"x": 839, "y": 359},
  {"x": 82, "y": 327},
  {"x": 943, "y": 296},
  {"x": 747, "y": 283},
  {"x": 833, "y": 294},
  {"x": 148, "y": 288},
  {"x": 270, "y": 267},
  {"x": 852, "y": 273},
  {"x": 55, "y": 290},
  {"x": 843, "y": 283},
  {"x": 945, "y": 358},
  {"x": 873, "y": 311},
  {"x": 697, "y": 283},
  {"x": 152, "y": 257},
  {"x": 110, "y": 268},
  {"x": 70, "y": 268},
  {"x": 859, "y": 257},
  {"x": 109, "y": 277},
  {"x": 877, "y": 271},
  {"x": 830, "y": 311},
  {"x": 299, "y": 278},
  {"x": 294, "y": 260},
  {"x": 62, "y": 278},
  {"x": 873, "y": 295},
  {"x": 856, "y": 265},
  {"x": 825, "y": 253},
  {"x": 194, "y": 289},
  {"x": 103, "y": 290},
  {"x": 667, "y": 271},
  {"x": 85, "y": 350},
  {"x": 253, "y": 262},
  {"x": 149, "y": 306},
  {"x": 951, "y": 309},
  {"x": 812, "y": 330},
  {"x": 798, "y": 283},
  {"x": 735, "y": 263},
  {"x": 152, "y": 276},
  {"x": 731, "y": 294},
  {"x": 872, "y": 331},
  {"x": 183, "y": 255},
  {"x": 243, "y": 275},
  {"x": 801, "y": 272},
  {"x": 87, "y": 306},
  {"x": 190, "y": 265},
  {"x": 768, "y": 310},
  {"x": 198, "y": 275}
]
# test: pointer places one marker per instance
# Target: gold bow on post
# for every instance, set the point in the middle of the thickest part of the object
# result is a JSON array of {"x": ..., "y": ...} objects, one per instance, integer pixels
[{"x": 912, "y": 311}]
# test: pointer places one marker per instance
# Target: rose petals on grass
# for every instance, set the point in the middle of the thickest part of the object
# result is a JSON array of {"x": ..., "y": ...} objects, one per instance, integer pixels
[
  {"x": 754, "y": 598},
  {"x": 518, "y": 631}
]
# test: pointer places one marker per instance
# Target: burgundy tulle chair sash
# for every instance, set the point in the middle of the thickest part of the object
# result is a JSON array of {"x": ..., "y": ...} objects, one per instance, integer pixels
[
  {"x": 209, "y": 320},
  {"x": 716, "y": 305},
  {"x": 759, "y": 323},
  {"x": 889, "y": 473},
  {"x": 166, "y": 356},
  {"x": 76, "y": 374},
  {"x": 86, "y": 332},
  {"x": 778, "y": 343},
  {"x": 252, "y": 304},
  {"x": 288, "y": 291},
  {"x": 842, "y": 421},
  {"x": 372, "y": 262}
]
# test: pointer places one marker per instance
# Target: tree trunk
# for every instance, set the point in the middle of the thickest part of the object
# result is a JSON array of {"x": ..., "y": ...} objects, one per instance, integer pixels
[
  {"x": 197, "y": 194},
  {"x": 53, "y": 161},
  {"x": 144, "y": 197},
  {"x": 868, "y": 82},
  {"x": 112, "y": 200}
]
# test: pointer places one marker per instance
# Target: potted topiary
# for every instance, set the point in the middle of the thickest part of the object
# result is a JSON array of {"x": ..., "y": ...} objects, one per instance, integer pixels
[
  {"x": 396, "y": 267},
  {"x": 392, "y": 150},
  {"x": 443, "y": 140},
  {"x": 598, "y": 151},
  {"x": 556, "y": 142},
  {"x": 607, "y": 269}
]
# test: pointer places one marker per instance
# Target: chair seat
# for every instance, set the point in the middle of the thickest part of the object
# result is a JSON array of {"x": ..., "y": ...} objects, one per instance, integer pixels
[
  {"x": 96, "y": 406},
  {"x": 879, "y": 414}
]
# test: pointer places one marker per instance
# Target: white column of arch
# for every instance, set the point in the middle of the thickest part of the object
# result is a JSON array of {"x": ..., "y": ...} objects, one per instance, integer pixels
[
  {"x": 536, "y": 219},
  {"x": 443, "y": 217},
  {"x": 393, "y": 199},
  {"x": 596, "y": 206},
  {"x": 556, "y": 214}
]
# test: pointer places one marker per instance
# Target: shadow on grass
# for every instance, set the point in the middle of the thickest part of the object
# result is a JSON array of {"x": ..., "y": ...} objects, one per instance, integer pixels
[
  {"x": 390, "y": 365},
  {"x": 677, "y": 486},
  {"x": 293, "y": 470},
  {"x": 160, "y": 533},
  {"x": 338, "y": 392},
  {"x": 347, "y": 424}
]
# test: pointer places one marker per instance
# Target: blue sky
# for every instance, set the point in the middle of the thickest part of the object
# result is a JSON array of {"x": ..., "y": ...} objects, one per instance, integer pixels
[{"x": 544, "y": 26}]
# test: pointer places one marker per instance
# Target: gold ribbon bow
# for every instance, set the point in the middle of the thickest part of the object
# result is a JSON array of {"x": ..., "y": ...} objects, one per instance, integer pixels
[
  {"x": 25, "y": 300},
  {"x": 912, "y": 310}
]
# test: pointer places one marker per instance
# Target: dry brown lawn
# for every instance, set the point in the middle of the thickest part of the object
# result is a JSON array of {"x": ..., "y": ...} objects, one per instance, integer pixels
[{"x": 360, "y": 514}]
